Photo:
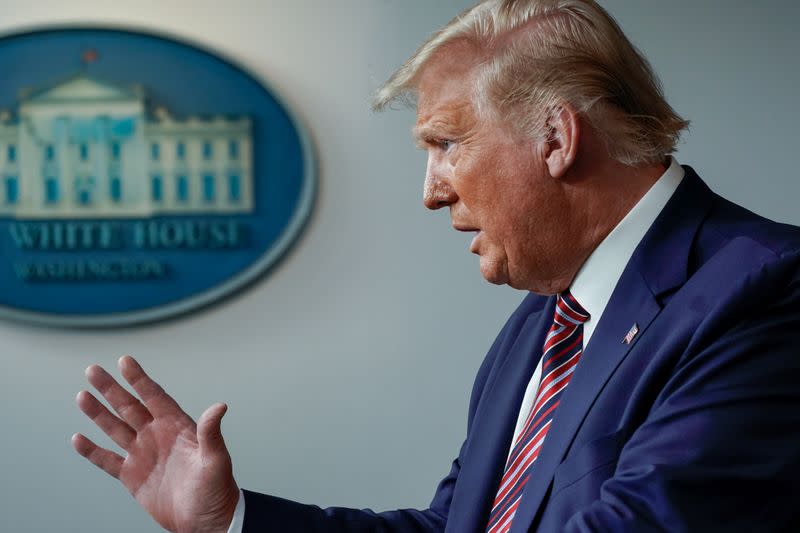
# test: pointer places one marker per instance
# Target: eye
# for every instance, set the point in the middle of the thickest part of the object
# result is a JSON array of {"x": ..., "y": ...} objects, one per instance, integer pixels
[{"x": 446, "y": 144}]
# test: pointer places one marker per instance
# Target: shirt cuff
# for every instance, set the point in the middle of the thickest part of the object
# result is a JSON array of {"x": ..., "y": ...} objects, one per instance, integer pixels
[{"x": 238, "y": 516}]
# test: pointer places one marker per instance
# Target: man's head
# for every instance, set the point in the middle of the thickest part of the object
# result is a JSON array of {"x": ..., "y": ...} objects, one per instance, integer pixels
[{"x": 523, "y": 106}]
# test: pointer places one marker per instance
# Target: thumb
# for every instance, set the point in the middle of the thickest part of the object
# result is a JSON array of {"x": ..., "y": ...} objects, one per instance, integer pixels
[{"x": 209, "y": 430}]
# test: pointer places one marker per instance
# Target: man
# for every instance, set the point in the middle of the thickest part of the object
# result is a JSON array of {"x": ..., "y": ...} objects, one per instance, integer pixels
[{"x": 649, "y": 382}]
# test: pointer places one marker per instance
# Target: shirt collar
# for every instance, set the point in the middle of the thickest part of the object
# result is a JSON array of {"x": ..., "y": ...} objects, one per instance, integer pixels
[{"x": 597, "y": 278}]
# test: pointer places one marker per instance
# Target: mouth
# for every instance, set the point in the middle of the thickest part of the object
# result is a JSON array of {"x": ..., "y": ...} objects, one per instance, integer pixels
[
  {"x": 461, "y": 227},
  {"x": 474, "y": 245}
]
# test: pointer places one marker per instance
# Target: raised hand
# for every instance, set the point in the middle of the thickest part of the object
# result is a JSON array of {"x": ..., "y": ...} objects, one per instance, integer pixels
[{"x": 179, "y": 471}]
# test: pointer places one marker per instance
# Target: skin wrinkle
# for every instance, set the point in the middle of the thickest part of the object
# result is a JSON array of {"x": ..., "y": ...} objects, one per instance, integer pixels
[{"x": 439, "y": 128}]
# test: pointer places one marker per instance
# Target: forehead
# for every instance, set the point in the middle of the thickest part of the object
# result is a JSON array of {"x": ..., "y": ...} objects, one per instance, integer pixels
[{"x": 446, "y": 83}]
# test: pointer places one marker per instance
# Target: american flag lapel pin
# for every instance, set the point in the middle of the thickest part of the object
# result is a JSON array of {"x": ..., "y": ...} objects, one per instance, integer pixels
[{"x": 631, "y": 334}]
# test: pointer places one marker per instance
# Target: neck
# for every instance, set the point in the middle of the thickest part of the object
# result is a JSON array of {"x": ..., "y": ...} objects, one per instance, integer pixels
[
  {"x": 602, "y": 198},
  {"x": 609, "y": 196}
]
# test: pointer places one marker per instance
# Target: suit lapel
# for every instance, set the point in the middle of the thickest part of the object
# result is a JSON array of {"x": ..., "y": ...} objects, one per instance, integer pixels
[
  {"x": 658, "y": 266},
  {"x": 493, "y": 427}
]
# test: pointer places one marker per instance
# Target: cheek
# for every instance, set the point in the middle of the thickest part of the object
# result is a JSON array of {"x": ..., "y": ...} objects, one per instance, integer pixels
[
  {"x": 502, "y": 188},
  {"x": 522, "y": 225},
  {"x": 510, "y": 214},
  {"x": 482, "y": 189}
]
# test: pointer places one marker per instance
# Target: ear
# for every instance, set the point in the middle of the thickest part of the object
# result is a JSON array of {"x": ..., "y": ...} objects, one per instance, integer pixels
[{"x": 564, "y": 129}]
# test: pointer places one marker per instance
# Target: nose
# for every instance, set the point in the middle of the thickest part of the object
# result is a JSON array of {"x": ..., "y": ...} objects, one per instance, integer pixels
[
  {"x": 438, "y": 191},
  {"x": 438, "y": 194}
]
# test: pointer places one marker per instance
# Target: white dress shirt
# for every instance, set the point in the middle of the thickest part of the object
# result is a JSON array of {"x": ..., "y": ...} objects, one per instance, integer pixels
[{"x": 592, "y": 286}]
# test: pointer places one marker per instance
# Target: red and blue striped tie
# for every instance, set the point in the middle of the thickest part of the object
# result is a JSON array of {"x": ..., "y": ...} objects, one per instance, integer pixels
[{"x": 562, "y": 350}]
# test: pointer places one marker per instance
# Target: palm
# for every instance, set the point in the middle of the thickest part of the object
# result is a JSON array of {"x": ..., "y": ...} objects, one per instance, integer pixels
[
  {"x": 162, "y": 462},
  {"x": 179, "y": 473}
]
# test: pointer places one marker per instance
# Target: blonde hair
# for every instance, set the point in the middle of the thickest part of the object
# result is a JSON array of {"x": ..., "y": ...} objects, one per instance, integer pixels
[{"x": 538, "y": 54}]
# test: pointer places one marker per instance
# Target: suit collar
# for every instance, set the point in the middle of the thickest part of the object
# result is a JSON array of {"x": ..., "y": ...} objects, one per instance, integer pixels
[{"x": 663, "y": 256}]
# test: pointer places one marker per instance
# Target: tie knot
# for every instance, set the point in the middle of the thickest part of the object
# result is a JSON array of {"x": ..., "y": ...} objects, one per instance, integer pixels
[{"x": 568, "y": 311}]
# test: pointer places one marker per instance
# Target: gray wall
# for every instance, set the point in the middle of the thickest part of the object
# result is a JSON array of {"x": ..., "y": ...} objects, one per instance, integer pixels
[{"x": 348, "y": 370}]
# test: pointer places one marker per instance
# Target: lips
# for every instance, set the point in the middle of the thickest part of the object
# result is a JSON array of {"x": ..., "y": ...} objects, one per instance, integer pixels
[
  {"x": 473, "y": 247},
  {"x": 463, "y": 227}
]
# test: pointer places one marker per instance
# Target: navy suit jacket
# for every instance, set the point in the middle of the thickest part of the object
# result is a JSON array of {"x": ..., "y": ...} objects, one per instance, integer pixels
[{"x": 694, "y": 426}]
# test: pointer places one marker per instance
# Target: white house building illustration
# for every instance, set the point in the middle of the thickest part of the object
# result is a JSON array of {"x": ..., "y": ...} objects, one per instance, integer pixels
[{"x": 85, "y": 148}]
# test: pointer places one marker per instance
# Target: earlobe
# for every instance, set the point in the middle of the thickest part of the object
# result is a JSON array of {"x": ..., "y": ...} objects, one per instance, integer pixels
[{"x": 564, "y": 136}]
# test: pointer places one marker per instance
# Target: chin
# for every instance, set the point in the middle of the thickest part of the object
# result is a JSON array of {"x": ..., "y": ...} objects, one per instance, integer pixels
[{"x": 494, "y": 273}]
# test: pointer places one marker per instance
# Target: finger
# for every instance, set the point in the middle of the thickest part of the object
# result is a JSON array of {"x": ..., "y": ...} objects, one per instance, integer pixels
[
  {"x": 158, "y": 402},
  {"x": 119, "y": 431},
  {"x": 126, "y": 404},
  {"x": 209, "y": 429},
  {"x": 106, "y": 460}
]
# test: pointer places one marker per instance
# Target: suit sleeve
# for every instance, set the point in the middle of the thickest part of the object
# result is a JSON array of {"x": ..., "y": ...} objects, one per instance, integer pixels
[
  {"x": 264, "y": 513},
  {"x": 268, "y": 514},
  {"x": 720, "y": 448}
]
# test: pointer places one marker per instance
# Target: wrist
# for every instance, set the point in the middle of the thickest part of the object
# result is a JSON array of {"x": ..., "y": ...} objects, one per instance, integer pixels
[
  {"x": 230, "y": 509},
  {"x": 219, "y": 521}
]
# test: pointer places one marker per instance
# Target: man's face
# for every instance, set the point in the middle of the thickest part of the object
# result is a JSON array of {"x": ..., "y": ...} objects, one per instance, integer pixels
[{"x": 494, "y": 180}]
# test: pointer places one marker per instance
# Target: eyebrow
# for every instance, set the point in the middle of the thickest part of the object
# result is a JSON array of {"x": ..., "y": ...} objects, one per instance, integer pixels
[
  {"x": 422, "y": 136},
  {"x": 421, "y": 133},
  {"x": 425, "y": 134}
]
